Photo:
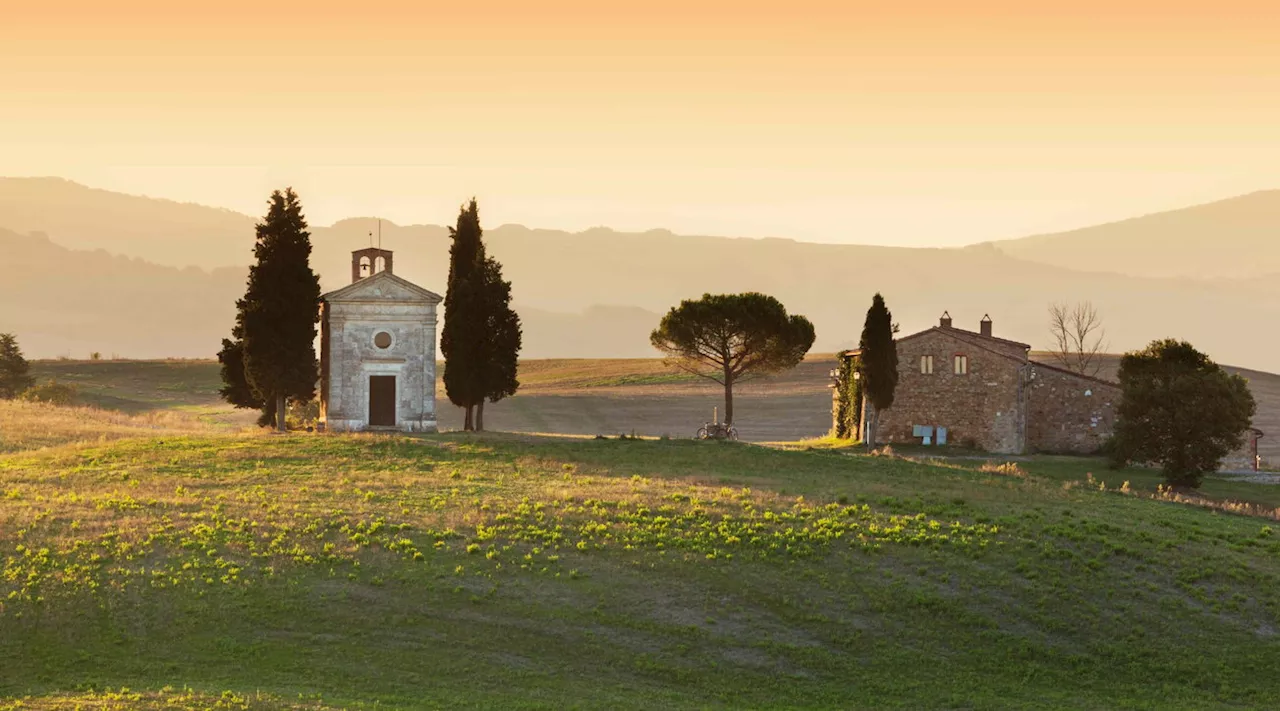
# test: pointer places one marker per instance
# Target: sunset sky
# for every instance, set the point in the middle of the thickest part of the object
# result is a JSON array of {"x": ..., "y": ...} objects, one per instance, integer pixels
[{"x": 914, "y": 123}]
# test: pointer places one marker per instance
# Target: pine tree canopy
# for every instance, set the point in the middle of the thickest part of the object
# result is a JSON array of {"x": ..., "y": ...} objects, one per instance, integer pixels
[{"x": 729, "y": 338}]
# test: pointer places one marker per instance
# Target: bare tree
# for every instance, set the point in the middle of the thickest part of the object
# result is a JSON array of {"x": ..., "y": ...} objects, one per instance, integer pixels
[{"x": 1079, "y": 339}]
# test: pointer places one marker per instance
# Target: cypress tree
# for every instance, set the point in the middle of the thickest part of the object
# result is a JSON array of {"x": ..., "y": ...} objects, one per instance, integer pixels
[
  {"x": 463, "y": 335},
  {"x": 235, "y": 389},
  {"x": 878, "y": 364},
  {"x": 275, "y": 330},
  {"x": 14, "y": 369},
  {"x": 501, "y": 349}
]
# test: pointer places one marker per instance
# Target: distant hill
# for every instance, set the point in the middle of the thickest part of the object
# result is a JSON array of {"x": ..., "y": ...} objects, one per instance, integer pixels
[
  {"x": 598, "y": 293},
  {"x": 64, "y": 302},
  {"x": 161, "y": 231},
  {"x": 1238, "y": 237}
]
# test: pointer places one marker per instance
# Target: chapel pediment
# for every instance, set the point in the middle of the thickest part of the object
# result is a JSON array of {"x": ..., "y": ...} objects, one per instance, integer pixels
[{"x": 384, "y": 287}]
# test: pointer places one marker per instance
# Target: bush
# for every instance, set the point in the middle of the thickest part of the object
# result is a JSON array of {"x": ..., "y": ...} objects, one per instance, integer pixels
[
  {"x": 302, "y": 415},
  {"x": 52, "y": 392},
  {"x": 14, "y": 378},
  {"x": 1179, "y": 410}
]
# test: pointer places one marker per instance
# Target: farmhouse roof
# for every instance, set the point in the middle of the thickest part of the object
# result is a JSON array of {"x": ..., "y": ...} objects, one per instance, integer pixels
[{"x": 967, "y": 336}]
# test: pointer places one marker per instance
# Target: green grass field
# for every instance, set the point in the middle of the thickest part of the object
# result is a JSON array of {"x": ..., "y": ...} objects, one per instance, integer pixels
[
  {"x": 205, "y": 568},
  {"x": 160, "y": 555}
]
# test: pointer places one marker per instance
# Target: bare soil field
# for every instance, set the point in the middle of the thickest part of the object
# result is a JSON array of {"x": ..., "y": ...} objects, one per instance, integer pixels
[{"x": 569, "y": 396}]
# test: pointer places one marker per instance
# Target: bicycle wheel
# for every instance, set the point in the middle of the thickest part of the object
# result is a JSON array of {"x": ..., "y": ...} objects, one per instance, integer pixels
[
  {"x": 732, "y": 433},
  {"x": 702, "y": 433}
]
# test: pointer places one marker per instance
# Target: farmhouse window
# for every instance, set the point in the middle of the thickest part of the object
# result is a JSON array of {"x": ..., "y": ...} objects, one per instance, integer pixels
[
  {"x": 961, "y": 364},
  {"x": 926, "y": 365}
]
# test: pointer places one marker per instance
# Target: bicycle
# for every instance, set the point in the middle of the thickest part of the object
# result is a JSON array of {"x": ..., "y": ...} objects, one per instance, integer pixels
[{"x": 716, "y": 429}]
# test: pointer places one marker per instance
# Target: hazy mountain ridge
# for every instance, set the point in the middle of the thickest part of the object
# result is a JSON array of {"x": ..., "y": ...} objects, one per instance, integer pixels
[
  {"x": 64, "y": 302},
  {"x": 164, "y": 232},
  {"x": 1234, "y": 238},
  {"x": 561, "y": 278}
]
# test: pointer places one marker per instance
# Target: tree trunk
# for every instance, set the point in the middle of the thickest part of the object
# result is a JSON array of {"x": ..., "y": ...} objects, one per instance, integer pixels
[
  {"x": 728, "y": 402},
  {"x": 480, "y": 416},
  {"x": 280, "y": 414},
  {"x": 467, "y": 425}
]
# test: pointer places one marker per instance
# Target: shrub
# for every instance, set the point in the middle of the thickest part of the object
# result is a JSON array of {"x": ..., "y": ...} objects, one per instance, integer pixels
[
  {"x": 1004, "y": 469},
  {"x": 52, "y": 392},
  {"x": 14, "y": 378},
  {"x": 1179, "y": 410},
  {"x": 302, "y": 415}
]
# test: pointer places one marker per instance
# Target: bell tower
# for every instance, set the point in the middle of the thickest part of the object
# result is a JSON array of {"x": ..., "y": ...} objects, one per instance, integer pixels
[{"x": 369, "y": 261}]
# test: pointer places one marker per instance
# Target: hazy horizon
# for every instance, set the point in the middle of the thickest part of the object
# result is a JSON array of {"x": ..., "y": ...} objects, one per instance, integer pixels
[
  {"x": 407, "y": 220},
  {"x": 921, "y": 124}
]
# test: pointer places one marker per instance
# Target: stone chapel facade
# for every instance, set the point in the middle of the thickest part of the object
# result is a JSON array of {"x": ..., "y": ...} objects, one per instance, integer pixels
[{"x": 378, "y": 351}]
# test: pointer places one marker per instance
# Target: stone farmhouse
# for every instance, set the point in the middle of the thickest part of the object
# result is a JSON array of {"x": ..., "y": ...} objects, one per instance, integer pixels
[
  {"x": 378, "y": 350},
  {"x": 973, "y": 389}
]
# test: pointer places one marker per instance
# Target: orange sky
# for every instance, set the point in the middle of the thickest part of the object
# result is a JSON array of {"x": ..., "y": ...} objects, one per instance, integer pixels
[{"x": 924, "y": 123}]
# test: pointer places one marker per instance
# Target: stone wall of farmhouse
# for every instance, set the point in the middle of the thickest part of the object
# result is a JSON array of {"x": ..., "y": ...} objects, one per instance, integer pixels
[
  {"x": 1068, "y": 413},
  {"x": 978, "y": 409}
]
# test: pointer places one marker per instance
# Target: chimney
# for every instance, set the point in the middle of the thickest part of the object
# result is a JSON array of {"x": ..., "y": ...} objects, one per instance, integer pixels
[
  {"x": 984, "y": 327},
  {"x": 945, "y": 321}
]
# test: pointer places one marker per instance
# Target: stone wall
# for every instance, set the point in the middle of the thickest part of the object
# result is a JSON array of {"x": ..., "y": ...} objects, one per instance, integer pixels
[
  {"x": 979, "y": 409},
  {"x": 1242, "y": 459},
  {"x": 1068, "y": 412}
]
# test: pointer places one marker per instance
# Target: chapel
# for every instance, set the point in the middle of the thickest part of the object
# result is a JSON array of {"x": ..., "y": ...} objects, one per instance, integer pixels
[{"x": 378, "y": 350}]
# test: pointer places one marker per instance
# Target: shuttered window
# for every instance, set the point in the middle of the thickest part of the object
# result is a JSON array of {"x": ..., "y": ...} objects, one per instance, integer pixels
[
  {"x": 961, "y": 364},
  {"x": 926, "y": 365}
]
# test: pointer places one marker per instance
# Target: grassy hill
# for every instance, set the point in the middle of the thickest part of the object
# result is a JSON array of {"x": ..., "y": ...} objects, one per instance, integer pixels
[{"x": 515, "y": 571}]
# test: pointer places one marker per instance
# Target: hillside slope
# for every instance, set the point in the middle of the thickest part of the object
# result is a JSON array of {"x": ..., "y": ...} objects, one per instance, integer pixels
[
  {"x": 518, "y": 572},
  {"x": 161, "y": 231},
  {"x": 1237, "y": 238}
]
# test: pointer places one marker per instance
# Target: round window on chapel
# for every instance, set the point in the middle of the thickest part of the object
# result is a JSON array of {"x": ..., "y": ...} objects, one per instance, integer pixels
[{"x": 382, "y": 340}]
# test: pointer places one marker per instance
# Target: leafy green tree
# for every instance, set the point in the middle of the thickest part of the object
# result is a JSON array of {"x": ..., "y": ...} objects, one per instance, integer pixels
[
  {"x": 463, "y": 337},
  {"x": 1180, "y": 410},
  {"x": 878, "y": 364},
  {"x": 14, "y": 369},
  {"x": 847, "y": 416},
  {"x": 275, "y": 328},
  {"x": 500, "y": 351},
  {"x": 731, "y": 338}
]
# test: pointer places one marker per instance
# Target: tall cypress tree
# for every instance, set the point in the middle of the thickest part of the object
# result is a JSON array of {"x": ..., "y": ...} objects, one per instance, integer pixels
[
  {"x": 501, "y": 349},
  {"x": 878, "y": 366},
  {"x": 463, "y": 335},
  {"x": 275, "y": 332}
]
